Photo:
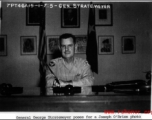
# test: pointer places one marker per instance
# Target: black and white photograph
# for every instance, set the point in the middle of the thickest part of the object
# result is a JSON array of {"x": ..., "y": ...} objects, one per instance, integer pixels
[
  {"x": 128, "y": 44},
  {"x": 33, "y": 14},
  {"x": 86, "y": 60},
  {"x": 106, "y": 44},
  {"x": 52, "y": 44},
  {"x": 81, "y": 43},
  {"x": 70, "y": 17},
  {"x": 28, "y": 45},
  {"x": 104, "y": 15}
]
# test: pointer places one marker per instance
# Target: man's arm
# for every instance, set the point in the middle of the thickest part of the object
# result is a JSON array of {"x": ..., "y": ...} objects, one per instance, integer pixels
[
  {"x": 86, "y": 78},
  {"x": 50, "y": 78}
]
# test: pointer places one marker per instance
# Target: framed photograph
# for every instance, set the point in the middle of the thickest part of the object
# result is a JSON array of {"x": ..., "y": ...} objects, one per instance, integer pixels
[
  {"x": 70, "y": 17},
  {"x": 128, "y": 44},
  {"x": 106, "y": 45},
  {"x": 81, "y": 43},
  {"x": 3, "y": 45},
  {"x": 28, "y": 45},
  {"x": 103, "y": 16},
  {"x": 33, "y": 14},
  {"x": 52, "y": 44}
]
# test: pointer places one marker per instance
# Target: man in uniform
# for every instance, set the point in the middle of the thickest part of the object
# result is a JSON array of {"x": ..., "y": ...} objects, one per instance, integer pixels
[{"x": 68, "y": 69}]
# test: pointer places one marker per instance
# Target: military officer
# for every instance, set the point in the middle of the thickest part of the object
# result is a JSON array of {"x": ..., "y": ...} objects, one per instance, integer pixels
[{"x": 68, "y": 69}]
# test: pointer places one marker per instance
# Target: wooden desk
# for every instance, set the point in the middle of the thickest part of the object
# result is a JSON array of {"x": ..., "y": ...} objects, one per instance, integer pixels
[{"x": 92, "y": 103}]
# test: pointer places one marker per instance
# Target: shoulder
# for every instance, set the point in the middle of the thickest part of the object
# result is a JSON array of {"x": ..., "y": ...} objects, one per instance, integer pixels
[
  {"x": 55, "y": 62},
  {"x": 81, "y": 61}
]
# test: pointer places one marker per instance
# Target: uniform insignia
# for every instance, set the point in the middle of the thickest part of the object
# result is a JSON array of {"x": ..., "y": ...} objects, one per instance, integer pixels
[{"x": 52, "y": 64}]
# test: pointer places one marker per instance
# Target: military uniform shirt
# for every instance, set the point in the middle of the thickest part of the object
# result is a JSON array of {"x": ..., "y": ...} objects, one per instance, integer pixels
[{"x": 65, "y": 72}]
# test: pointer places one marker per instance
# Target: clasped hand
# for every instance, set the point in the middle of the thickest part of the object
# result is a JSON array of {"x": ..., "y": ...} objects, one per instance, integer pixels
[{"x": 61, "y": 83}]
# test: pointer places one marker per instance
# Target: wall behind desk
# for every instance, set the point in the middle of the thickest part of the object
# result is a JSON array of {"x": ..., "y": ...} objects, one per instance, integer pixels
[{"x": 129, "y": 19}]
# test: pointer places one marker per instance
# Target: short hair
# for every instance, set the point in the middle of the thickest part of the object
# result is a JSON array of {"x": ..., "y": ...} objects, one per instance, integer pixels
[{"x": 65, "y": 36}]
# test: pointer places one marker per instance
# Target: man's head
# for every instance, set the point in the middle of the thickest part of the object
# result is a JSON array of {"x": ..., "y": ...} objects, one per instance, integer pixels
[{"x": 67, "y": 45}]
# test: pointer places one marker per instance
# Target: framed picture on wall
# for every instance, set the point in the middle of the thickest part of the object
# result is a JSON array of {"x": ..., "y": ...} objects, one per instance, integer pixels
[
  {"x": 28, "y": 45},
  {"x": 81, "y": 43},
  {"x": 106, "y": 45},
  {"x": 52, "y": 44},
  {"x": 103, "y": 16},
  {"x": 128, "y": 44},
  {"x": 70, "y": 17},
  {"x": 33, "y": 14},
  {"x": 3, "y": 45}
]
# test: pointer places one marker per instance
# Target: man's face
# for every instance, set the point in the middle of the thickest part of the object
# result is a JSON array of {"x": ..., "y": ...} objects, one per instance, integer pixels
[{"x": 67, "y": 48}]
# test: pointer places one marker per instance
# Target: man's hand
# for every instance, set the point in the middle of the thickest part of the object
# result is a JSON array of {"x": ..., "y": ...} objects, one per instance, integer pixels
[
  {"x": 64, "y": 83},
  {"x": 61, "y": 83},
  {"x": 56, "y": 83},
  {"x": 77, "y": 77}
]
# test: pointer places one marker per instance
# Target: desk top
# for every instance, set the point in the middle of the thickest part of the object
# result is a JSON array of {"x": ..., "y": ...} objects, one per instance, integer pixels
[
  {"x": 91, "y": 103},
  {"x": 30, "y": 100}
]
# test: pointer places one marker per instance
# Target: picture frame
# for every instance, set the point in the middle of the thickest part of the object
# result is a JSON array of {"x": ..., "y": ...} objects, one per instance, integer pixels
[
  {"x": 33, "y": 16},
  {"x": 70, "y": 17},
  {"x": 128, "y": 44},
  {"x": 28, "y": 45},
  {"x": 52, "y": 44},
  {"x": 104, "y": 15},
  {"x": 3, "y": 45},
  {"x": 106, "y": 45},
  {"x": 81, "y": 43}
]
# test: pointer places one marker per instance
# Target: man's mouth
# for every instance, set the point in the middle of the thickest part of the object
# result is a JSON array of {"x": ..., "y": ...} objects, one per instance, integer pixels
[{"x": 67, "y": 52}]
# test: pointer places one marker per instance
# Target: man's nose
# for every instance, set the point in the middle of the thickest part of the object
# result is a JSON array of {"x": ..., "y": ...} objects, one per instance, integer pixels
[{"x": 67, "y": 48}]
